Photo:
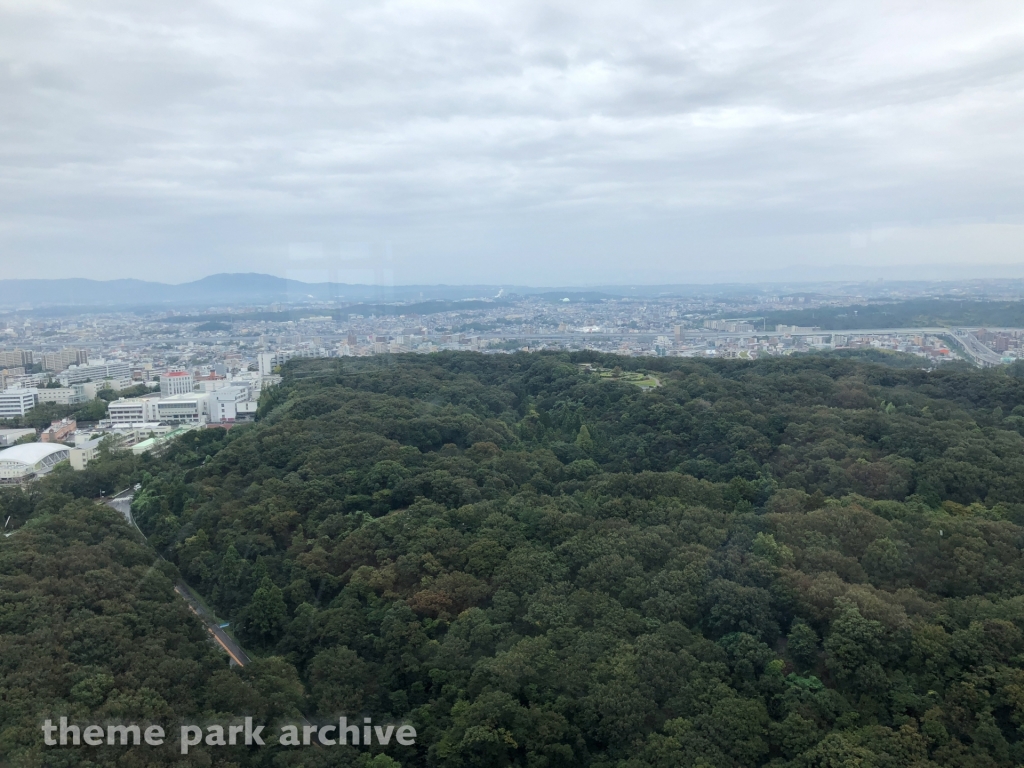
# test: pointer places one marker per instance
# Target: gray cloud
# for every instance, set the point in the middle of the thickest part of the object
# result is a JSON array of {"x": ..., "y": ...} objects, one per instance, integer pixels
[{"x": 514, "y": 141}]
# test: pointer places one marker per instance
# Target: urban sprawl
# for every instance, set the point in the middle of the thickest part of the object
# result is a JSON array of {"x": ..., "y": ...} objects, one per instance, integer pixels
[{"x": 171, "y": 371}]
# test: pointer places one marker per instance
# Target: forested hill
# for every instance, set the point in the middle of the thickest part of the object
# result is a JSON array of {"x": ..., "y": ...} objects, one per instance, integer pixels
[
  {"x": 91, "y": 630},
  {"x": 915, "y": 313},
  {"x": 794, "y": 562}
]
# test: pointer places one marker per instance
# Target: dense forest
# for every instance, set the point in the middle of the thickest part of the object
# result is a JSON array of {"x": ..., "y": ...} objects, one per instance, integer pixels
[
  {"x": 807, "y": 562},
  {"x": 914, "y": 313},
  {"x": 91, "y": 630}
]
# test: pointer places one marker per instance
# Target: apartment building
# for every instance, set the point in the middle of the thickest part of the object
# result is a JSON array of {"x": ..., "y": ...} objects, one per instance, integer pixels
[
  {"x": 16, "y": 358},
  {"x": 59, "y": 361}
]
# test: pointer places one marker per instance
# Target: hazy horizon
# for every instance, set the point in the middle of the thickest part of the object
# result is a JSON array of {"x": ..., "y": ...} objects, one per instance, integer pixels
[
  {"x": 837, "y": 275},
  {"x": 479, "y": 143}
]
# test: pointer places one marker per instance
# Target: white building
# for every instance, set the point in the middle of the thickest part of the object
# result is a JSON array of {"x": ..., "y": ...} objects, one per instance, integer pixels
[
  {"x": 83, "y": 453},
  {"x": 211, "y": 385},
  {"x": 36, "y": 380},
  {"x": 184, "y": 409},
  {"x": 127, "y": 435},
  {"x": 246, "y": 411},
  {"x": 176, "y": 383},
  {"x": 77, "y": 374},
  {"x": 23, "y": 462},
  {"x": 798, "y": 329},
  {"x": 133, "y": 410},
  {"x": 88, "y": 391},
  {"x": 15, "y": 403},
  {"x": 60, "y": 395},
  {"x": 224, "y": 403},
  {"x": 265, "y": 360}
]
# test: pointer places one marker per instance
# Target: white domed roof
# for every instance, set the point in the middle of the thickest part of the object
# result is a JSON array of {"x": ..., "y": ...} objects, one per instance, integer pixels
[{"x": 31, "y": 453}]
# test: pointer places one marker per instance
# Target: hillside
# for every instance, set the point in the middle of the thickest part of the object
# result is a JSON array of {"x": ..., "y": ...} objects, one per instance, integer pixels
[
  {"x": 91, "y": 630},
  {"x": 914, "y": 313},
  {"x": 802, "y": 562}
]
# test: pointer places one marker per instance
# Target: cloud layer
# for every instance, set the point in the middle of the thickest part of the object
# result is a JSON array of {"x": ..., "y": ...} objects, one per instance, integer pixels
[{"x": 512, "y": 141}]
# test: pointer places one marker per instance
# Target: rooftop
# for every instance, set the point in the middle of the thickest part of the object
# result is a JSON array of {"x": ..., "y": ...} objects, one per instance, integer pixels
[{"x": 30, "y": 453}]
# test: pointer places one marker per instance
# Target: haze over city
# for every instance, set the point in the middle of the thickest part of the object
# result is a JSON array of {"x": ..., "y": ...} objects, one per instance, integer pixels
[{"x": 471, "y": 142}]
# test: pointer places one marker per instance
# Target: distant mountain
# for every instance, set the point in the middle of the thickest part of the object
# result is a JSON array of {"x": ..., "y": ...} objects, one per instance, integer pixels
[
  {"x": 233, "y": 289},
  {"x": 254, "y": 288},
  {"x": 80, "y": 295}
]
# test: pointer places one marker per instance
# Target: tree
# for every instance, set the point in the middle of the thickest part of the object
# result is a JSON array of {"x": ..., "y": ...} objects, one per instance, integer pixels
[
  {"x": 267, "y": 613},
  {"x": 802, "y": 644},
  {"x": 583, "y": 440},
  {"x": 852, "y": 640}
]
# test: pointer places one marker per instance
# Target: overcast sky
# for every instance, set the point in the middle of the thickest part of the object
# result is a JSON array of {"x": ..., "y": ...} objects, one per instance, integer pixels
[{"x": 537, "y": 143}]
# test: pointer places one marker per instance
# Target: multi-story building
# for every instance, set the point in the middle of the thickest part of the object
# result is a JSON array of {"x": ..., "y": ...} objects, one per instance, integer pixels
[
  {"x": 224, "y": 403},
  {"x": 729, "y": 326},
  {"x": 78, "y": 374},
  {"x": 58, "y": 361},
  {"x": 176, "y": 383},
  {"x": 16, "y": 358},
  {"x": 211, "y": 384},
  {"x": 83, "y": 453},
  {"x": 15, "y": 403},
  {"x": 265, "y": 360},
  {"x": 184, "y": 409},
  {"x": 791, "y": 329},
  {"x": 133, "y": 410},
  {"x": 60, "y": 395},
  {"x": 7, "y": 375},
  {"x": 28, "y": 381}
]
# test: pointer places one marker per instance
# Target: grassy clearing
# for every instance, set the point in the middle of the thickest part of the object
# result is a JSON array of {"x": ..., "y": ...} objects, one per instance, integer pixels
[{"x": 641, "y": 379}]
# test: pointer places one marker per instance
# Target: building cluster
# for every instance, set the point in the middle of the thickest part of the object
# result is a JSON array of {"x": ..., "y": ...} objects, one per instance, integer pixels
[
  {"x": 179, "y": 400},
  {"x": 184, "y": 400},
  {"x": 1006, "y": 342},
  {"x": 63, "y": 359},
  {"x": 169, "y": 370},
  {"x": 933, "y": 349}
]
